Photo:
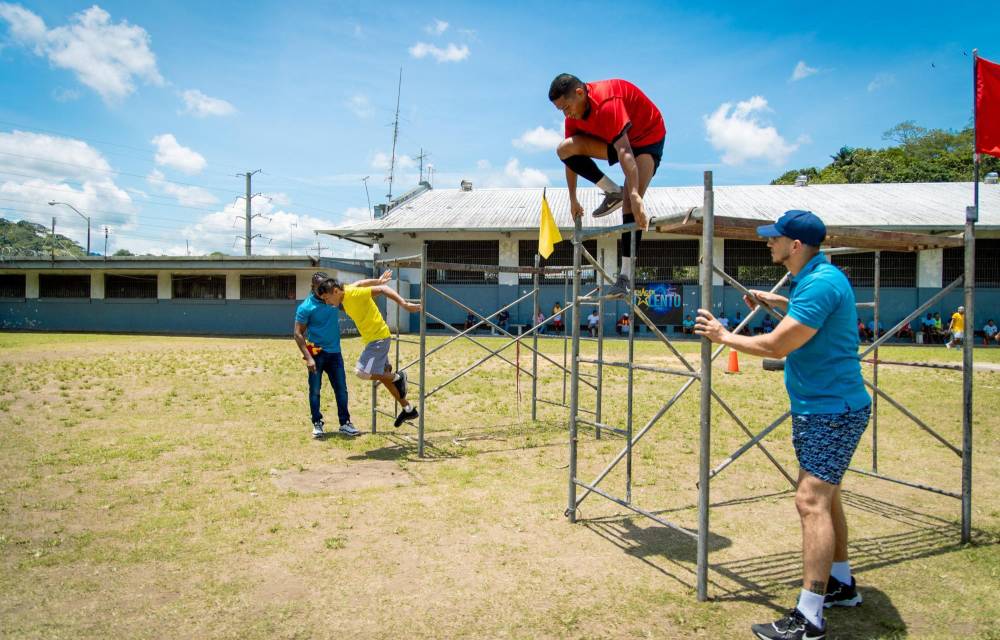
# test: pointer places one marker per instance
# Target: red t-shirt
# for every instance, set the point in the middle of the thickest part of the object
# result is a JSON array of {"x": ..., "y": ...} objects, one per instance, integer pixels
[{"x": 617, "y": 106}]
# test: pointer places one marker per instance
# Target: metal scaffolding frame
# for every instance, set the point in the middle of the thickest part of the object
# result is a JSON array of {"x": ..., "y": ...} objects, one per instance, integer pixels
[{"x": 703, "y": 222}]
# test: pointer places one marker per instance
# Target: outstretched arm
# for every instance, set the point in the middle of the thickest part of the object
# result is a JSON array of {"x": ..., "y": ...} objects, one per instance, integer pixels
[
  {"x": 390, "y": 293},
  {"x": 374, "y": 282},
  {"x": 789, "y": 335}
]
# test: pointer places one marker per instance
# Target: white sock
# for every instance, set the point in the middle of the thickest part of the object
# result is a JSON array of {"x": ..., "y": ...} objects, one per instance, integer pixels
[
  {"x": 841, "y": 571},
  {"x": 408, "y": 407},
  {"x": 396, "y": 377},
  {"x": 626, "y": 267},
  {"x": 811, "y": 606},
  {"x": 608, "y": 185}
]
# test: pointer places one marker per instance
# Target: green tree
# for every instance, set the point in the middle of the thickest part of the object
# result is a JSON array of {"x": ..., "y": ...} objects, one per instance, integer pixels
[{"x": 123, "y": 252}]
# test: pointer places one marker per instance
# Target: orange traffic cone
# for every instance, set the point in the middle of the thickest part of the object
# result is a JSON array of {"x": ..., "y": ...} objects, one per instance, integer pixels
[{"x": 734, "y": 362}]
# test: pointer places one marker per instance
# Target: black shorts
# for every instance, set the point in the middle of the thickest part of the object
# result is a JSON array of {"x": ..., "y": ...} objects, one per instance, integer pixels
[{"x": 655, "y": 150}]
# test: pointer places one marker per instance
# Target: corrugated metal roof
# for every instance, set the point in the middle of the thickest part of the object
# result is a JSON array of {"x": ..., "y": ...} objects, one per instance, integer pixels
[{"x": 910, "y": 205}]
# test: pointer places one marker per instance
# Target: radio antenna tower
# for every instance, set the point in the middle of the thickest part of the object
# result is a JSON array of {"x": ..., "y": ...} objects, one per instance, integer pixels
[{"x": 395, "y": 137}]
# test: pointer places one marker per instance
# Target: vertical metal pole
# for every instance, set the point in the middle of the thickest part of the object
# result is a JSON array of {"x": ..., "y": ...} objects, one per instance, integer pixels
[
  {"x": 968, "y": 342},
  {"x": 249, "y": 218},
  {"x": 600, "y": 344},
  {"x": 877, "y": 299},
  {"x": 398, "y": 330},
  {"x": 375, "y": 382},
  {"x": 565, "y": 335},
  {"x": 534, "y": 341},
  {"x": 631, "y": 374},
  {"x": 423, "y": 347},
  {"x": 574, "y": 394},
  {"x": 704, "y": 448}
]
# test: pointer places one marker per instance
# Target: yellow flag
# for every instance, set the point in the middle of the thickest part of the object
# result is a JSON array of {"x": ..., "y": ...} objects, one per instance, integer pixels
[{"x": 548, "y": 232}]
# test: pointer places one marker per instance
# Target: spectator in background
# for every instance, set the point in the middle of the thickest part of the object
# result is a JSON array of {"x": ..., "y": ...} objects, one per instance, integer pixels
[
  {"x": 622, "y": 325},
  {"x": 863, "y": 334},
  {"x": 767, "y": 325},
  {"x": 906, "y": 331},
  {"x": 990, "y": 332},
  {"x": 540, "y": 322},
  {"x": 688, "y": 326},
  {"x": 938, "y": 325},
  {"x": 557, "y": 322},
  {"x": 593, "y": 320},
  {"x": 956, "y": 328},
  {"x": 875, "y": 334},
  {"x": 736, "y": 322},
  {"x": 503, "y": 319},
  {"x": 469, "y": 321},
  {"x": 723, "y": 320},
  {"x": 928, "y": 327}
]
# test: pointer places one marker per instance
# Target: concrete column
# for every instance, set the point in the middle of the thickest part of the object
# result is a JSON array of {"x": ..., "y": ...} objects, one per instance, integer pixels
[
  {"x": 508, "y": 258},
  {"x": 930, "y": 268},
  {"x": 390, "y": 308},
  {"x": 303, "y": 284},
  {"x": 719, "y": 259},
  {"x": 31, "y": 284},
  {"x": 164, "y": 289},
  {"x": 97, "y": 285},
  {"x": 232, "y": 285},
  {"x": 610, "y": 247}
]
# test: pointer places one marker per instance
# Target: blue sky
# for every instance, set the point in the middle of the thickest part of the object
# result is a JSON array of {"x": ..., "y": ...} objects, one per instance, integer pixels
[{"x": 141, "y": 114}]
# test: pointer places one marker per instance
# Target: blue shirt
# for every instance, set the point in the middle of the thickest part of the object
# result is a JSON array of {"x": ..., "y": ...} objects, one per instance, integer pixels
[
  {"x": 322, "y": 323},
  {"x": 824, "y": 374}
]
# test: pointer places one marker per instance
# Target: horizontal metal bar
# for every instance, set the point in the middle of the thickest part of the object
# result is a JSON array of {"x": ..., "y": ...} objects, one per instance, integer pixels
[
  {"x": 405, "y": 340},
  {"x": 864, "y": 305},
  {"x": 485, "y": 268},
  {"x": 604, "y": 427},
  {"x": 386, "y": 413},
  {"x": 640, "y": 511},
  {"x": 906, "y": 483},
  {"x": 653, "y": 222},
  {"x": 565, "y": 406},
  {"x": 416, "y": 257},
  {"x": 640, "y": 367},
  {"x": 923, "y": 365}
]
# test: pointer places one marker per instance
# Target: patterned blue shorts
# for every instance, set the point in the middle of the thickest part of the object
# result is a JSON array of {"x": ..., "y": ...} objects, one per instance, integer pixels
[{"x": 825, "y": 442}]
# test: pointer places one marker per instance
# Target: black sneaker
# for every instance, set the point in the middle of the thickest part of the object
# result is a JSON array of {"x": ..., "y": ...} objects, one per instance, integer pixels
[
  {"x": 793, "y": 626},
  {"x": 618, "y": 290},
  {"x": 610, "y": 204},
  {"x": 405, "y": 416},
  {"x": 401, "y": 384},
  {"x": 839, "y": 594}
]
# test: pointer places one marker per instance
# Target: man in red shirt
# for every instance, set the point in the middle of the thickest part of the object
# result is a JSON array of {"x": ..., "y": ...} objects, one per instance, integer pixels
[{"x": 612, "y": 120}]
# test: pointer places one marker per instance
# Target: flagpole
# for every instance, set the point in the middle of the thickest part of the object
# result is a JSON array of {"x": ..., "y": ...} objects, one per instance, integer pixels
[{"x": 975, "y": 131}]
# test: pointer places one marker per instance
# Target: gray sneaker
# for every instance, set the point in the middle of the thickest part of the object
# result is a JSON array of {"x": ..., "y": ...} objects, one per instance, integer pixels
[
  {"x": 318, "y": 429},
  {"x": 619, "y": 289},
  {"x": 348, "y": 430},
  {"x": 610, "y": 204}
]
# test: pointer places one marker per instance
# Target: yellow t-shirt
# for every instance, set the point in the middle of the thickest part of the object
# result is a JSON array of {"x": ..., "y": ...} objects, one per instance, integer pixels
[
  {"x": 957, "y": 322},
  {"x": 360, "y": 307}
]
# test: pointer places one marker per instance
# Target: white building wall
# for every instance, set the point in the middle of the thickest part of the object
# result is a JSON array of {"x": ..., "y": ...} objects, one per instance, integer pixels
[
  {"x": 232, "y": 285},
  {"x": 31, "y": 284},
  {"x": 163, "y": 286},
  {"x": 508, "y": 258},
  {"x": 719, "y": 259},
  {"x": 97, "y": 285},
  {"x": 930, "y": 267}
]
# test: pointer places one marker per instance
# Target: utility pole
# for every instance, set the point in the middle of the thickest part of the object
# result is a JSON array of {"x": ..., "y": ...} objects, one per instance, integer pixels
[
  {"x": 106, "y": 230},
  {"x": 248, "y": 218},
  {"x": 367, "y": 197},
  {"x": 395, "y": 137},
  {"x": 187, "y": 245},
  {"x": 53, "y": 203},
  {"x": 421, "y": 159},
  {"x": 52, "y": 241}
]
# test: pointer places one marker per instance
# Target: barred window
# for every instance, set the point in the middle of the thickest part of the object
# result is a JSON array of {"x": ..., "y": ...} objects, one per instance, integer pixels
[
  {"x": 51, "y": 285},
  {"x": 199, "y": 287},
  {"x": 129, "y": 286},
  {"x": 674, "y": 261},
  {"x": 749, "y": 262},
  {"x": 562, "y": 256},
  {"x": 465, "y": 252},
  {"x": 12, "y": 285},
  {"x": 987, "y": 263},
  {"x": 896, "y": 268},
  {"x": 267, "y": 287}
]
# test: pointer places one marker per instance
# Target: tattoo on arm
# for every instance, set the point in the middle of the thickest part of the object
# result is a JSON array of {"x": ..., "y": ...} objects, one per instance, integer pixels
[{"x": 818, "y": 586}]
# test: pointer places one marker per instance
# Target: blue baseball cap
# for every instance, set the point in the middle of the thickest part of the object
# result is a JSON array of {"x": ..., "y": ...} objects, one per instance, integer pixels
[{"x": 804, "y": 226}]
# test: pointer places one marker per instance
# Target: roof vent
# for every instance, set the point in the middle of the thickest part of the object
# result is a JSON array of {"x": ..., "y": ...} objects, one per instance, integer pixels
[
  {"x": 801, "y": 180},
  {"x": 991, "y": 178},
  {"x": 466, "y": 185}
]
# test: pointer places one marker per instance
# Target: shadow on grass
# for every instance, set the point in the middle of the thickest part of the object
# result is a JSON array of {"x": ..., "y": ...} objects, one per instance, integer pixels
[{"x": 465, "y": 442}]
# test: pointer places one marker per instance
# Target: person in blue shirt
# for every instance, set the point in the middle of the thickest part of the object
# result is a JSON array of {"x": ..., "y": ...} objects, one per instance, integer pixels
[
  {"x": 767, "y": 324},
  {"x": 829, "y": 404},
  {"x": 317, "y": 334}
]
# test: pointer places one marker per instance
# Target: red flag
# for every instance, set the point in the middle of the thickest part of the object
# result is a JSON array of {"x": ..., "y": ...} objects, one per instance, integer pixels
[{"x": 987, "y": 107}]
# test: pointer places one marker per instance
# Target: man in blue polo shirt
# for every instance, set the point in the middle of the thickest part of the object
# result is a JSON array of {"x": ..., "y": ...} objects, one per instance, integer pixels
[
  {"x": 830, "y": 409},
  {"x": 317, "y": 334}
]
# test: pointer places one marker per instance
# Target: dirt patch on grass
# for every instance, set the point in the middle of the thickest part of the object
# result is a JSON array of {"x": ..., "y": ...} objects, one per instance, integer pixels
[{"x": 342, "y": 477}]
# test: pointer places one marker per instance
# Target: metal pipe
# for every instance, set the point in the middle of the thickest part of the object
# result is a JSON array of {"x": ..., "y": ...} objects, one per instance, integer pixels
[
  {"x": 968, "y": 342},
  {"x": 747, "y": 445},
  {"x": 397, "y": 259},
  {"x": 631, "y": 357},
  {"x": 574, "y": 396},
  {"x": 743, "y": 427},
  {"x": 597, "y": 424},
  {"x": 534, "y": 343},
  {"x": 641, "y": 367},
  {"x": 375, "y": 383},
  {"x": 423, "y": 349},
  {"x": 600, "y": 348},
  {"x": 704, "y": 449},
  {"x": 906, "y": 483},
  {"x": 876, "y": 336},
  {"x": 565, "y": 406},
  {"x": 638, "y": 510},
  {"x": 920, "y": 423},
  {"x": 476, "y": 342},
  {"x": 777, "y": 315},
  {"x": 565, "y": 335}
]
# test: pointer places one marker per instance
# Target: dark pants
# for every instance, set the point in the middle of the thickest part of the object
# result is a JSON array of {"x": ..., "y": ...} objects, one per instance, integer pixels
[{"x": 333, "y": 365}]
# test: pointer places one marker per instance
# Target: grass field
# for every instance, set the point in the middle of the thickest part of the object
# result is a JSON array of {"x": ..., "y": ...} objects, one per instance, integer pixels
[{"x": 160, "y": 487}]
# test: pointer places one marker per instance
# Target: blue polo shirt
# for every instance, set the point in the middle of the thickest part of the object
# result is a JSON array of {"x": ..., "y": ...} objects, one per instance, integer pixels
[
  {"x": 322, "y": 323},
  {"x": 824, "y": 374}
]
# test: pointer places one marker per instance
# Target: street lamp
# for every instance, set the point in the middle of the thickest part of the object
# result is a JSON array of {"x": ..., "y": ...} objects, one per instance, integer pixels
[{"x": 53, "y": 203}]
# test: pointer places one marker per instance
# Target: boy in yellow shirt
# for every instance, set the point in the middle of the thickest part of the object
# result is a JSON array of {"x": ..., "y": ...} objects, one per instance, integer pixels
[
  {"x": 957, "y": 327},
  {"x": 359, "y": 304}
]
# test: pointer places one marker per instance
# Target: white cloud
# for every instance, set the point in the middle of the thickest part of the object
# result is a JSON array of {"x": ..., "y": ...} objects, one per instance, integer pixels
[
  {"x": 170, "y": 153},
  {"x": 538, "y": 139},
  {"x": 437, "y": 27},
  {"x": 802, "y": 70},
  {"x": 484, "y": 165},
  {"x": 514, "y": 175},
  {"x": 199, "y": 105},
  {"x": 740, "y": 134},
  {"x": 187, "y": 195},
  {"x": 361, "y": 106},
  {"x": 107, "y": 57},
  {"x": 880, "y": 81},
  {"x": 382, "y": 161},
  {"x": 451, "y": 53},
  {"x": 65, "y": 95}
]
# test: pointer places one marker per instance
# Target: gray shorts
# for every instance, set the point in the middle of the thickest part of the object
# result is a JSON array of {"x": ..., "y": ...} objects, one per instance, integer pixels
[{"x": 374, "y": 357}]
